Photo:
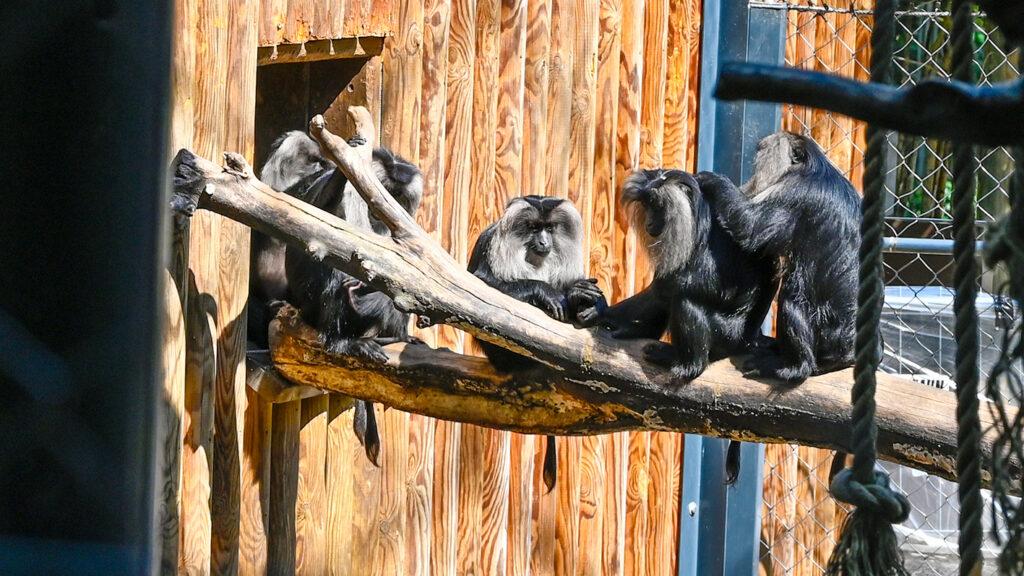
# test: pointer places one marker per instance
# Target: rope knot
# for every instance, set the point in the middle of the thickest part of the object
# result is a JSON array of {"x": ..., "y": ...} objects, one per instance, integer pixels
[{"x": 876, "y": 497}]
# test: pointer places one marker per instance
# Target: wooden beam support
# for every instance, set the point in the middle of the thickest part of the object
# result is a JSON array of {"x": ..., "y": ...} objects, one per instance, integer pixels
[
  {"x": 597, "y": 384},
  {"x": 317, "y": 50}
]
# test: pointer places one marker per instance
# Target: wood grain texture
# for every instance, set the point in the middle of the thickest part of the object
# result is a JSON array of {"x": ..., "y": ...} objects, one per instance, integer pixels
[
  {"x": 272, "y": 18},
  {"x": 471, "y": 457},
  {"x": 170, "y": 419},
  {"x": 495, "y": 495},
  {"x": 627, "y": 143},
  {"x": 662, "y": 501},
  {"x": 232, "y": 294},
  {"x": 389, "y": 552},
  {"x": 520, "y": 506},
  {"x": 508, "y": 154},
  {"x": 560, "y": 77},
  {"x": 366, "y": 496},
  {"x": 535, "y": 95},
  {"x": 592, "y": 496},
  {"x": 545, "y": 508},
  {"x": 606, "y": 108},
  {"x": 653, "y": 103},
  {"x": 311, "y": 497},
  {"x": 444, "y": 533},
  {"x": 299, "y": 22},
  {"x": 581, "y": 116},
  {"x": 284, "y": 481},
  {"x": 255, "y": 489},
  {"x": 567, "y": 518},
  {"x": 342, "y": 448},
  {"x": 677, "y": 70},
  {"x": 614, "y": 511},
  {"x": 637, "y": 482},
  {"x": 420, "y": 495}
]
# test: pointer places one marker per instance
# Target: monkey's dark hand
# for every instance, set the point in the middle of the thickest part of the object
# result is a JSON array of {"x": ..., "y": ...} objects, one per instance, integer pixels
[
  {"x": 366, "y": 348},
  {"x": 710, "y": 183},
  {"x": 551, "y": 301}
]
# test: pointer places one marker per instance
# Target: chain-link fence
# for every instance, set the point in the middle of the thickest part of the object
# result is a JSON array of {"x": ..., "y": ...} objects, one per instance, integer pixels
[{"x": 800, "y": 520}]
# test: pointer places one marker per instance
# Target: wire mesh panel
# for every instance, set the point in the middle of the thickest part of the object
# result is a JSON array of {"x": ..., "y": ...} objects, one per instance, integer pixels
[{"x": 800, "y": 520}]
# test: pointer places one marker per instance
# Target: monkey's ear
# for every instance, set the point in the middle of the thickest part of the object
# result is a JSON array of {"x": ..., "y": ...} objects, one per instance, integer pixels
[{"x": 798, "y": 151}]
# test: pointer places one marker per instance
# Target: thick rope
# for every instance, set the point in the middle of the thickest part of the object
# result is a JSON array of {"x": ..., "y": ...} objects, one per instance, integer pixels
[
  {"x": 965, "y": 332},
  {"x": 867, "y": 544}
]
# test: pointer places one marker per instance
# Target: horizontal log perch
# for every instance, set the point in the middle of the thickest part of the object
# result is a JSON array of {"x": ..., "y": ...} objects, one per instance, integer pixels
[
  {"x": 917, "y": 423},
  {"x": 594, "y": 383},
  {"x": 950, "y": 110}
]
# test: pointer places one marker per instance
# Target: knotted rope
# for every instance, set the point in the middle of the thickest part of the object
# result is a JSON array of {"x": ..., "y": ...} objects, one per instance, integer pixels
[{"x": 867, "y": 545}]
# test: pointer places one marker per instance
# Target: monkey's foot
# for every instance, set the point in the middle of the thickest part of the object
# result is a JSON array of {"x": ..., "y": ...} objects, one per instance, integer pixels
[{"x": 767, "y": 365}]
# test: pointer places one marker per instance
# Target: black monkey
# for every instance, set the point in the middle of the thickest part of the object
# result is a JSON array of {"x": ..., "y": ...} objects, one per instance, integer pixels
[
  {"x": 534, "y": 253},
  {"x": 803, "y": 210},
  {"x": 352, "y": 318},
  {"x": 711, "y": 295}
]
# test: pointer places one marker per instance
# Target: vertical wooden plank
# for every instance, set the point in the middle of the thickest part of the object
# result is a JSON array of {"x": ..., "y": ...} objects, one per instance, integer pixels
[
  {"x": 559, "y": 113},
  {"x": 255, "y": 507},
  {"x": 209, "y": 101},
  {"x": 389, "y": 552},
  {"x": 299, "y": 20},
  {"x": 420, "y": 497},
  {"x": 342, "y": 448},
  {"x": 677, "y": 67},
  {"x": 603, "y": 229},
  {"x": 444, "y": 535},
  {"x": 408, "y": 444},
  {"x": 284, "y": 480},
  {"x": 616, "y": 464},
  {"x": 357, "y": 17},
  {"x": 436, "y": 18},
  {"x": 170, "y": 431},
  {"x": 592, "y": 495},
  {"x": 233, "y": 291},
  {"x": 272, "y": 18},
  {"x": 367, "y": 478},
  {"x": 582, "y": 120},
  {"x": 366, "y": 496},
  {"x": 311, "y": 497},
  {"x": 694, "y": 12},
  {"x": 508, "y": 155},
  {"x": 662, "y": 499},
  {"x": 520, "y": 505},
  {"x": 545, "y": 509},
  {"x": 535, "y": 100},
  {"x": 636, "y": 503},
  {"x": 471, "y": 457},
  {"x": 627, "y": 146},
  {"x": 484, "y": 208},
  {"x": 567, "y": 519},
  {"x": 495, "y": 492},
  {"x": 450, "y": 550},
  {"x": 382, "y": 18},
  {"x": 653, "y": 109}
]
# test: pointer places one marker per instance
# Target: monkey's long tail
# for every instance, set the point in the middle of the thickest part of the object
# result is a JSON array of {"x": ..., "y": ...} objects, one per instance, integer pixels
[
  {"x": 550, "y": 464},
  {"x": 732, "y": 463}
]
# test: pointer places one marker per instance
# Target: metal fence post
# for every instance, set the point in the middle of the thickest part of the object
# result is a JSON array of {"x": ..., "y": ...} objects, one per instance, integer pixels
[{"x": 719, "y": 525}]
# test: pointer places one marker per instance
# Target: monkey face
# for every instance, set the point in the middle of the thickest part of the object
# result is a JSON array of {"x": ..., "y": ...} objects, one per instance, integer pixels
[
  {"x": 661, "y": 207},
  {"x": 539, "y": 238}
]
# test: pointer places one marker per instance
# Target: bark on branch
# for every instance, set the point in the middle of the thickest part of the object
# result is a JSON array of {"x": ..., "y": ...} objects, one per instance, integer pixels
[{"x": 595, "y": 384}]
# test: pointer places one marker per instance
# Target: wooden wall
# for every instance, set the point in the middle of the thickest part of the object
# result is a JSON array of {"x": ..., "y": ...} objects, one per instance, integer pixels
[{"x": 493, "y": 99}]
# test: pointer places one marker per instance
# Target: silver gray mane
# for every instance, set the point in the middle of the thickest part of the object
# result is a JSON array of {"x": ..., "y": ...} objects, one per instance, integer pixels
[
  {"x": 670, "y": 250},
  {"x": 295, "y": 156},
  {"x": 508, "y": 256}
]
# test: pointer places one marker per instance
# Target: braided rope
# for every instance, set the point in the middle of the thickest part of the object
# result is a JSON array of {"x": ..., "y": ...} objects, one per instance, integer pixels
[
  {"x": 867, "y": 544},
  {"x": 869, "y": 295},
  {"x": 965, "y": 274}
]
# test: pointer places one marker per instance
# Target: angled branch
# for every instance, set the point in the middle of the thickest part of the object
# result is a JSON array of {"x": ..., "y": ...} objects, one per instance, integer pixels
[{"x": 989, "y": 115}]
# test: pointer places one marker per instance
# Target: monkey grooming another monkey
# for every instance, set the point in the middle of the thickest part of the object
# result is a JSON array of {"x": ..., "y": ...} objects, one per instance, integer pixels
[
  {"x": 351, "y": 317},
  {"x": 711, "y": 295},
  {"x": 534, "y": 253},
  {"x": 802, "y": 210}
]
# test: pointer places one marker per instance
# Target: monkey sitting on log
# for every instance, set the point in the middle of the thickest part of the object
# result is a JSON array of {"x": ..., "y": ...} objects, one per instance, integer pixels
[
  {"x": 534, "y": 253},
  {"x": 351, "y": 317}
]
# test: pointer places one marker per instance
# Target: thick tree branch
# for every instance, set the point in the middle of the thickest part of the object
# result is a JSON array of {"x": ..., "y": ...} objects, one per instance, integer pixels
[
  {"x": 917, "y": 424},
  {"x": 596, "y": 384}
]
